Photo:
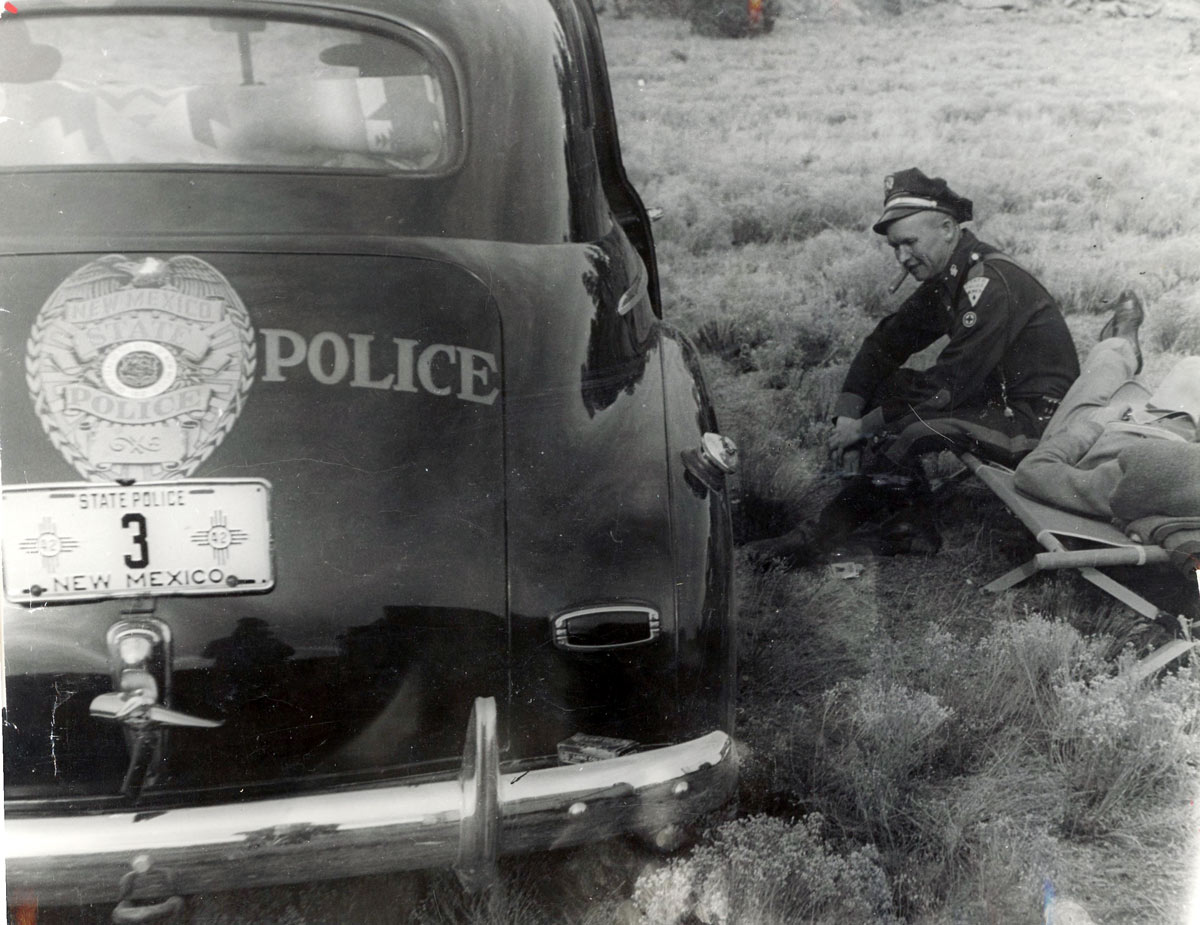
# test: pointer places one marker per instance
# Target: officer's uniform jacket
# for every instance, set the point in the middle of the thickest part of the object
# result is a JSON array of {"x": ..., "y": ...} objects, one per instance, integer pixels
[{"x": 1009, "y": 346}]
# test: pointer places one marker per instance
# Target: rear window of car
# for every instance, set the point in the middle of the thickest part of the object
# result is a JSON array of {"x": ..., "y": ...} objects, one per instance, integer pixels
[{"x": 184, "y": 89}]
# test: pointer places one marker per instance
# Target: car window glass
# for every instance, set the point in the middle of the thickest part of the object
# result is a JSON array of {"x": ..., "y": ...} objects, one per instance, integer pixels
[{"x": 182, "y": 89}]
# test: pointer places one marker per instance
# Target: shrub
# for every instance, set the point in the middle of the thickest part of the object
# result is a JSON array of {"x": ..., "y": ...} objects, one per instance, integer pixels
[
  {"x": 1174, "y": 323},
  {"x": 937, "y": 754},
  {"x": 733, "y": 18},
  {"x": 1007, "y": 682},
  {"x": 732, "y": 339},
  {"x": 1121, "y": 745},
  {"x": 987, "y": 836},
  {"x": 781, "y": 442},
  {"x": 675, "y": 9},
  {"x": 765, "y": 870},
  {"x": 877, "y": 742},
  {"x": 500, "y": 906}
]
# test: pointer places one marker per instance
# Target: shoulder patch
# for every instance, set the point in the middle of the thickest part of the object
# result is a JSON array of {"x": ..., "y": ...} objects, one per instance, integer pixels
[{"x": 974, "y": 289}]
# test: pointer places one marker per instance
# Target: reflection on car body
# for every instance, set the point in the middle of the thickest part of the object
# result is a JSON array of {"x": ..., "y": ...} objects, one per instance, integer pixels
[{"x": 361, "y": 512}]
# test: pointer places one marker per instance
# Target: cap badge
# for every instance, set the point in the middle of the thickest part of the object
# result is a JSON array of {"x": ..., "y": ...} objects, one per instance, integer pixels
[
  {"x": 138, "y": 369},
  {"x": 969, "y": 319},
  {"x": 974, "y": 289},
  {"x": 888, "y": 182}
]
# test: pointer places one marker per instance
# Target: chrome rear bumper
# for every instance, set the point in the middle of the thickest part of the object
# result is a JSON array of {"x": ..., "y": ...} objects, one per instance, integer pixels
[{"x": 465, "y": 823}]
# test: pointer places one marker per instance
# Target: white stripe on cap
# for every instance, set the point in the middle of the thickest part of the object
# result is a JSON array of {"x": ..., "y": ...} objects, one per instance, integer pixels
[{"x": 912, "y": 201}]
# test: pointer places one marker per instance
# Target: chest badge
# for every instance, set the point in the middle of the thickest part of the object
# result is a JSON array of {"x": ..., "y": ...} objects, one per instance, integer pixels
[
  {"x": 138, "y": 369},
  {"x": 974, "y": 289},
  {"x": 969, "y": 319}
]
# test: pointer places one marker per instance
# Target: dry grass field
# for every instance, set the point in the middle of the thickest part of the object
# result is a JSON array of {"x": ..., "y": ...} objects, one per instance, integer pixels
[
  {"x": 978, "y": 749},
  {"x": 1076, "y": 137},
  {"x": 913, "y": 750}
]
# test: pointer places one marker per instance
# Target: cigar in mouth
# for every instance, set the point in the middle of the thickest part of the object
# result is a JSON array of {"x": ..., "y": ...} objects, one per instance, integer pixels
[{"x": 898, "y": 282}]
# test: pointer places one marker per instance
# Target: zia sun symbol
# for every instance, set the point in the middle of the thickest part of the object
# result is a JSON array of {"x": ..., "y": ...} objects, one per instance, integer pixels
[
  {"x": 48, "y": 544},
  {"x": 219, "y": 537}
]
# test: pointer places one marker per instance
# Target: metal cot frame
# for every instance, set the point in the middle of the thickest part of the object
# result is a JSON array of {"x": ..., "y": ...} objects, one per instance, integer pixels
[{"x": 1107, "y": 546}]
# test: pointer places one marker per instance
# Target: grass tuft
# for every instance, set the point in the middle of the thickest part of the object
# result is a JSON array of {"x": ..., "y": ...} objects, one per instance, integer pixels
[
  {"x": 1122, "y": 747},
  {"x": 768, "y": 871}
]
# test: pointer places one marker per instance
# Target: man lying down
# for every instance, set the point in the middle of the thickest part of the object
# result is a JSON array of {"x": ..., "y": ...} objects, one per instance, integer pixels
[{"x": 1116, "y": 450}]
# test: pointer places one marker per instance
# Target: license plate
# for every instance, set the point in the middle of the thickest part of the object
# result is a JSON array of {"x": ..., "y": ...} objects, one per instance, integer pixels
[{"x": 87, "y": 541}]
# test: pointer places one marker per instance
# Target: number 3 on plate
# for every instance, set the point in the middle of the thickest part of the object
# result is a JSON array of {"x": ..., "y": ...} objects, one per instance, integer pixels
[{"x": 137, "y": 521}]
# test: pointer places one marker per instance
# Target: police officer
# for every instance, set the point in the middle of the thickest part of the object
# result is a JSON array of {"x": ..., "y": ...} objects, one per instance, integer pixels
[{"x": 993, "y": 387}]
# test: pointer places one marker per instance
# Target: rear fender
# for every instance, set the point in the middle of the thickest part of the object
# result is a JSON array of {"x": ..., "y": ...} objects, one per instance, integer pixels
[{"x": 701, "y": 528}]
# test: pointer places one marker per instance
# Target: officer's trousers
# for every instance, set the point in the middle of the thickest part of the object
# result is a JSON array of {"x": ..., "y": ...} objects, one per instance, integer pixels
[
  {"x": 893, "y": 490},
  {"x": 990, "y": 431}
]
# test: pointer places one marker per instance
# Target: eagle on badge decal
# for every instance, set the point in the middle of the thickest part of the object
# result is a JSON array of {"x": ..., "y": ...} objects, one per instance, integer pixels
[{"x": 139, "y": 368}]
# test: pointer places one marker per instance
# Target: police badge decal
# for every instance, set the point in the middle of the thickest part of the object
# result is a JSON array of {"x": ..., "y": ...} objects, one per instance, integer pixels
[{"x": 138, "y": 369}]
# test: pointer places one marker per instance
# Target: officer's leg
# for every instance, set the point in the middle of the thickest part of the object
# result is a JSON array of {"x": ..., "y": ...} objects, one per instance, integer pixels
[
  {"x": 872, "y": 497},
  {"x": 989, "y": 432},
  {"x": 889, "y": 490}
]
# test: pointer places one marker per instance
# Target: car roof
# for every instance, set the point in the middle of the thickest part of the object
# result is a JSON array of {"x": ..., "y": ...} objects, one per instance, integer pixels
[
  {"x": 510, "y": 59},
  {"x": 457, "y": 22}
]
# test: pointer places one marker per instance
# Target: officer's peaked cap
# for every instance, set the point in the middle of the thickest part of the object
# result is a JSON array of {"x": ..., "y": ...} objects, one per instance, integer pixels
[{"x": 908, "y": 191}]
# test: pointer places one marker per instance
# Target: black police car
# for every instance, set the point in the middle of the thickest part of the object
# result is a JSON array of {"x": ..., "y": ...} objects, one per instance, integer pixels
[{"x": 360, "y": 511}]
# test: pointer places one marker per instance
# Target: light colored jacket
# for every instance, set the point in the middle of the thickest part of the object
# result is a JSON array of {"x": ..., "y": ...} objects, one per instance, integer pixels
[{"x": 1078, "y": 467}]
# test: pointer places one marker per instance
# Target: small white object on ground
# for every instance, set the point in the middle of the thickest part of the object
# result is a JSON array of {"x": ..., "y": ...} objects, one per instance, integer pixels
[
  {"x": 1057, "y": 910},
  {"x": 847, "y": 570}
]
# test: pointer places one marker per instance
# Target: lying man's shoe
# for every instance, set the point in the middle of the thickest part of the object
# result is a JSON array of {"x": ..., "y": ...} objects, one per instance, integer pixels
[
  {"x": 1126, "y": 318},
  {"x": 1185, "y": 559}
]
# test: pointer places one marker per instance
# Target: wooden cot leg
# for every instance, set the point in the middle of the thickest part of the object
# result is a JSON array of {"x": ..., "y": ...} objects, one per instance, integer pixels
[
  {"x": 1160, "y": 658},
  {"x": 1123, "y": 594},
  {"x": 1013, "y": 578}
]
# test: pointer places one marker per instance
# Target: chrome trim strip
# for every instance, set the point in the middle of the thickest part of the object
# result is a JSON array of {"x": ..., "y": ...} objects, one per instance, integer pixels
[
  {"x": 637, "y": 290},
  {"x": 364, "y": 831}
]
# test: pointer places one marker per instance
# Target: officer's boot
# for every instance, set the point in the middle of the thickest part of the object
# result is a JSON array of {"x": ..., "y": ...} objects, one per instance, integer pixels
[
  {"x": 795, "y": 548},
  {"x": 865, "y": 499},
  {"x": 911, "y": 529},
  {"x": 856, "y": 504}
]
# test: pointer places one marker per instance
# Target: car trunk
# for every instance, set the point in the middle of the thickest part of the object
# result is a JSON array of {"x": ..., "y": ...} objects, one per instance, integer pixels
[{"x": 358, "y": 399}]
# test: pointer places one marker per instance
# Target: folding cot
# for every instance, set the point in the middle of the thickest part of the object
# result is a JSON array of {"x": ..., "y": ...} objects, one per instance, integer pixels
[{"x": 1099, "y": 545}]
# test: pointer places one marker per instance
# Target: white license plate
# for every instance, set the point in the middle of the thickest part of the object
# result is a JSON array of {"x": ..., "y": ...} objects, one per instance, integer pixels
[{"x": 87, "y": 541}]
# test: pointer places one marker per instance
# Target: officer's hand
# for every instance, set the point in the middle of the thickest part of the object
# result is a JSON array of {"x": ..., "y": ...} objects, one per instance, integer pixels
[{"x": 847, "y": 432}]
